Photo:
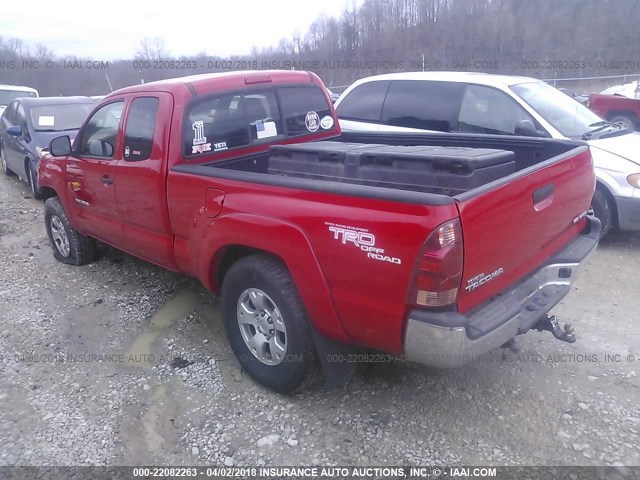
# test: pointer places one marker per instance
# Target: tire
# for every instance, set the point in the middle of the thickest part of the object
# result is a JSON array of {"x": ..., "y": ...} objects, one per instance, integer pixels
[
  {"x": 603, "y": 210},
  {"x": 624, "y": 121},
  {"x": 262, "y": 289},
  {"x": 5, "y": 169},
  {"x": 68, "y": 245},
  {"x": 33, "y": 182}
]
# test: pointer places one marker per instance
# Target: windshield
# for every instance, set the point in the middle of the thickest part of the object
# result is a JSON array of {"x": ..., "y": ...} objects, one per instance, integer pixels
[
  {"x": 8, "y": 96},
  {"x": 59, "y": 118},
  {"x": 569, "y": 117}
]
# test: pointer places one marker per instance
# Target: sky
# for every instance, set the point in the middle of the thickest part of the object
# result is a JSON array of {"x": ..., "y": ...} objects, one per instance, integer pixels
[{"x": 115, "y": 29}]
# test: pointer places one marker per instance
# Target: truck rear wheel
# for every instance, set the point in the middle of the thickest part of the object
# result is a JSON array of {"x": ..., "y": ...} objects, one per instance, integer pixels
[
  {"x": 69, "y": 246},
  {"x": 267, "y": 325}
]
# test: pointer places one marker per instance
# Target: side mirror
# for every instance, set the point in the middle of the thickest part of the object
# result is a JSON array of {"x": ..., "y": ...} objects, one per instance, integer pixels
[
  {"x": 14, "y": 131},
  {"x": 526, "y": 128},
  {"x": 60, "y": 146}
]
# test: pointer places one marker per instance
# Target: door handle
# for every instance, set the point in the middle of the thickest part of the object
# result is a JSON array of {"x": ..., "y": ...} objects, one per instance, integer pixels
[{"x": 106, "y": 180}]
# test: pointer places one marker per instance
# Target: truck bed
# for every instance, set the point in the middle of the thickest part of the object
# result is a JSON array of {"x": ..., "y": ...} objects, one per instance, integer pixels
[
  {"x": 518, "y": 201},
  {"x": 385, "y": 165}
]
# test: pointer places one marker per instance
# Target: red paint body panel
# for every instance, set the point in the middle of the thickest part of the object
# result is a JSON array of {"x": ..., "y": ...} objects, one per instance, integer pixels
[
  {"x": 142, "y": 197},
  {"x": 502, "y": 228},
  {"x": 186, "y": 222},
  {"x": 369, "y": 296},
  {"x": 608, "y": 105}
]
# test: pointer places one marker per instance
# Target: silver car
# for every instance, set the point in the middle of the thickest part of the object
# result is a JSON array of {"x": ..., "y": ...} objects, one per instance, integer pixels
[{"x": 503, "y": 105}]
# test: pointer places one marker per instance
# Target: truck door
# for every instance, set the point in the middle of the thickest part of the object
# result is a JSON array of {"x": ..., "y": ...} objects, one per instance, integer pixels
[
  {"x": 91, "y": 174},
  {"x": 141, "y": 175}
]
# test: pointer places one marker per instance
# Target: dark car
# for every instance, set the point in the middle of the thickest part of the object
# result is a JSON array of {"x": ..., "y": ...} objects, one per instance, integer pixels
[
  {"x": 29, "y": 124},
  {"x": 576, "y": 96}
]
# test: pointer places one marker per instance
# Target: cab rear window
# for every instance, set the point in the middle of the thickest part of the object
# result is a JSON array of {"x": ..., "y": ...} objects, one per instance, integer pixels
[
  {"x": 305, "y": 110},
  {"x": 235, "y": 120}
]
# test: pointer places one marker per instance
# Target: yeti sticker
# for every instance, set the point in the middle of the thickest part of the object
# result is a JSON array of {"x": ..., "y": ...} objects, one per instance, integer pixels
[
  {"x": 312, "y": 121},
  {"x": 198, "y": 133}
]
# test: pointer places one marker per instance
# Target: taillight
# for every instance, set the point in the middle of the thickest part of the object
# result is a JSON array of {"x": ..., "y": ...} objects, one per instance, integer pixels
[{"x": 438, "y": 271}]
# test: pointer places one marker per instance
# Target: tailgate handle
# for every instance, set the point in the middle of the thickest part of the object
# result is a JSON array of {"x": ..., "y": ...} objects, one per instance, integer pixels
[{"x": 543, "y": 197}]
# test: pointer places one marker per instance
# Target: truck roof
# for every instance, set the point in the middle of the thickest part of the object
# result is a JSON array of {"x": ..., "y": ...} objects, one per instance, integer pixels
[
  {"x": 41, "y": 101},
  {"x": 466, "y": 77},
  {"x": 212, "y": 82}
]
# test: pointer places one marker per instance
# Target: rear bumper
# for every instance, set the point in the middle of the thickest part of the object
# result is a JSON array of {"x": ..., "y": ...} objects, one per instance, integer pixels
[
  {"x": 448, "y": 339},
  {"x": 628, "y": 213}
]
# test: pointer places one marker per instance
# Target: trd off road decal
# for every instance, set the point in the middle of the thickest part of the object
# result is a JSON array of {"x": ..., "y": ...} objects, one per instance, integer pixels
[{"x": 362, "y": 239}]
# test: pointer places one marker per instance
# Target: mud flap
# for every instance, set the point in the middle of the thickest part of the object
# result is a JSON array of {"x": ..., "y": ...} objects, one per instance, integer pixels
[{"x": 333, "y": 358}]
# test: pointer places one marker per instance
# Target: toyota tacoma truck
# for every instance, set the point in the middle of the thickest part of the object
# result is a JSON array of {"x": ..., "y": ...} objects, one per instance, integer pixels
[{"x": 436, "y": 247}]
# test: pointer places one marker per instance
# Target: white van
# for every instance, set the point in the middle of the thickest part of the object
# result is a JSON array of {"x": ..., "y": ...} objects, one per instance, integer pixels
[{"x": 8, "y": 93}]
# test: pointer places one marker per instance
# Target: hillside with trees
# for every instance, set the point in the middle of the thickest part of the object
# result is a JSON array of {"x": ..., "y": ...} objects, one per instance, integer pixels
[{"x": 541, "y": 38}]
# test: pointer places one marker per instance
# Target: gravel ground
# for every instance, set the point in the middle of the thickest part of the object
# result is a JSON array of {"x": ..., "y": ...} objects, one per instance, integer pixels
[{"x": 123, "y": 363}]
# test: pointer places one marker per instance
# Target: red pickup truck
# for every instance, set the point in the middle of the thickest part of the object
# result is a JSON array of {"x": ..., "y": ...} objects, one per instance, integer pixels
[
  {"x": 437, "y": 247},
  {"x": 617, "y": 109}
]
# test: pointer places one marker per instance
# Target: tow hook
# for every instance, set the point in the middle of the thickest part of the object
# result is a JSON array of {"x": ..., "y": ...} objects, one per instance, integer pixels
[{"x": 551, "y": 324}]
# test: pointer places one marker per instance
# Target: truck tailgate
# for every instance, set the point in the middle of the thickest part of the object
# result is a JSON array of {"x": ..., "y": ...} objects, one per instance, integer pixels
[{"x": 511, "y": 226}]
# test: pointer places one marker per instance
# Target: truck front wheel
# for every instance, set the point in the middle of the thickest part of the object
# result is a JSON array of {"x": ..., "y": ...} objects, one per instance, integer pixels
[
  {"x": 603, "y": 211},
  {"x": 266, "y": 323},
  {"x": 625, "y": 121},
  {"x": 69, "y": 246}
]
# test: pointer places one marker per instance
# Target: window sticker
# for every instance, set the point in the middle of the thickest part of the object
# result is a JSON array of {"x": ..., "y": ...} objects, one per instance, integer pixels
[
  {"x": 266, "y": 129},
  {"x": 327, "y": 122},
  {"x": 218, "y": 146},
  {"x": 312, "y": 121},
  {"x": 198, "y": 133},
  {"x": 204, "y": 147},
  {"x": 46, "y": 121}
]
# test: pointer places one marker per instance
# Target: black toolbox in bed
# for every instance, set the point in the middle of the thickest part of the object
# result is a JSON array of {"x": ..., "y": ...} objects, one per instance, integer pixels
[{"x": 449, "y": 170}]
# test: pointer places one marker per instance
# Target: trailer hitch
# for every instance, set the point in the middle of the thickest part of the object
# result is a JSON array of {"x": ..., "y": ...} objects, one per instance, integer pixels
[{"x": 551, "y": 324}]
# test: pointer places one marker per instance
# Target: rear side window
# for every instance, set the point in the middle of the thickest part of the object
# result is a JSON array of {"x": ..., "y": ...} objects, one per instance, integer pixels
[
  {"x": 239, "y": 119},
  {"x": 215, "y": 124},
  {"x": 364, "y": 102},
  {"x": 423, "y": 104},
  {"x": 141, "y": 124},
  {"x": 305, "y": 110}
]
